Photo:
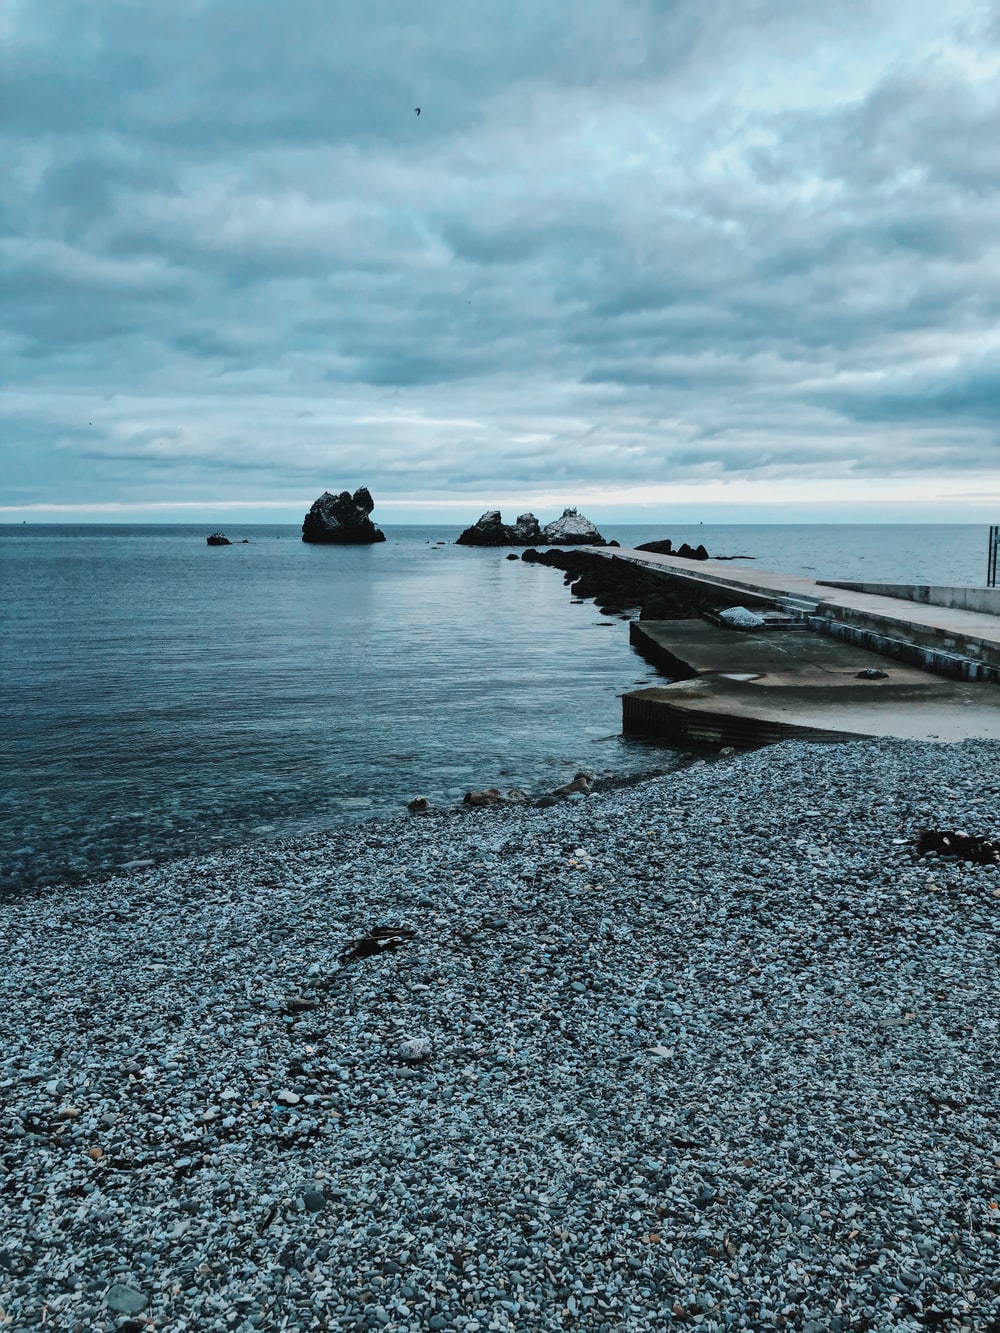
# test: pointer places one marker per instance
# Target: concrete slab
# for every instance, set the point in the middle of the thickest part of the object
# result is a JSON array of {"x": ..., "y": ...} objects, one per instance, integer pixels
[
  {"x": 746, "y": 689},
  {"x": 714, "y": 710},
  {"x": 686, "y": 648}
]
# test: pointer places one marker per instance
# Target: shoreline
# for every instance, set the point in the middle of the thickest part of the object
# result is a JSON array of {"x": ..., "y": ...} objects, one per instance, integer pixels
[
  {"x": 12, "y": 890},
  {"x": 715, "y": 1048}
]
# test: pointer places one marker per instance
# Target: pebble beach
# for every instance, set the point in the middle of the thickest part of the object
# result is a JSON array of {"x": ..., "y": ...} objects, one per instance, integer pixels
[{"x": 717, "y": 1050}]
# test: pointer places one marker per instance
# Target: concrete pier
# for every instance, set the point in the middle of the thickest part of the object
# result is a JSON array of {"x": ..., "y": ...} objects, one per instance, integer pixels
[
  {"x": 941, "y": 662},
  {"x": 747, "y": 689},
  {"x": 948, "y": 640}
]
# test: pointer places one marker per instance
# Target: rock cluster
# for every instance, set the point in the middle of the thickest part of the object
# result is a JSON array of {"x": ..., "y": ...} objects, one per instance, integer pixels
[
  {"x": 218, "y": 539},
  {"x": 617, "y": 587},
  {"x": 686, "y": 552},
  {"x": 571, "y": 529},
  {"x": 491, "y": 530},
  {"x": 581, "y": 785},
  {"x": 342, "y": 520}
]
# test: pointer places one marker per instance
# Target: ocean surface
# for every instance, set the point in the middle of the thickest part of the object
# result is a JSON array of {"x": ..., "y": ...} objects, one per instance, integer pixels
[{"x": 160, "y": 696}]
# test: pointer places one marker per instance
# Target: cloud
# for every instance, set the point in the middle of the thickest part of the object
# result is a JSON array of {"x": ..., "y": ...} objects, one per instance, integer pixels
[{"x": 624, "y": 242}]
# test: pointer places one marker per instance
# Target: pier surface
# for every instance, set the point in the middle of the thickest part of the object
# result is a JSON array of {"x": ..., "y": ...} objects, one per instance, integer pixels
[
  {"x": 949, "y": 640},
  {"x": 730, "y": 687}
]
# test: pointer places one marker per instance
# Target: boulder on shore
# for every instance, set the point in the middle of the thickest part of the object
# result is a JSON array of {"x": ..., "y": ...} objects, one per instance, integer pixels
[
  {"x": 572, "y": 529},
  {"x": 491, "y": 530},
  {"x": 342, "y": 519},
  {"x": 218, "y": 539}
]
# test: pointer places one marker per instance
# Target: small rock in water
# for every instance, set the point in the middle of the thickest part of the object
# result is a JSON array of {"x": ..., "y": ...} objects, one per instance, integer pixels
[
  {"x": 488, "y": 796},
  {"x": 417, "y": 806}
]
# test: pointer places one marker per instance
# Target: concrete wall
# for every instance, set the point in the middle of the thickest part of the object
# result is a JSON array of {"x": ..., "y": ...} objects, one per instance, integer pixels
[
  {"x": 984, "y": 600},
  {"x": 945, "y": 655}
]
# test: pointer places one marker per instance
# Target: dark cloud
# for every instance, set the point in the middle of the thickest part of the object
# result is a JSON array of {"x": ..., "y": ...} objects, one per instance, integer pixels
[{"x": 623, "y": 243}]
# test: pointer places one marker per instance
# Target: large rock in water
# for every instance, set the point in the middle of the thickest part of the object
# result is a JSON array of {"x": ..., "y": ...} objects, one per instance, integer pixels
[
  {"x": 491, "y": 530},
  {"x": 342, "y": 519},
  {"x": 572, "y": 529}
]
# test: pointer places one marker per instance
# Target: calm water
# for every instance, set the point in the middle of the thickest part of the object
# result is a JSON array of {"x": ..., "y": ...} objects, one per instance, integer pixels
[{"x": 163, "y": 696}]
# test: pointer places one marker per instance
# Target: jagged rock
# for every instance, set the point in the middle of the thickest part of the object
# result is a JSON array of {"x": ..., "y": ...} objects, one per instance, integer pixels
[
  {"x": 342, "y": 520},
  {"x": 218, "y": 539},
  {"x": 665, "y": 547},
  {"x": 572, "y": 529},
  {"x": 527, "y": 530},
  {"x": 491, "y": 530},
  {"x": 417, "y": 806}
]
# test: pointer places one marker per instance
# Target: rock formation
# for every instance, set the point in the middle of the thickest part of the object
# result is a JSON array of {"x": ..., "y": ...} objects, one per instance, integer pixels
[
  {"x": 687, "y": 552},
  {"x": 572, "y": 529},
  {"x": 342, "y": 519},
  {"x": 491, "y": 530},
  {"x": 619, "y": 588},
  {"x": 218, "y": 539}
]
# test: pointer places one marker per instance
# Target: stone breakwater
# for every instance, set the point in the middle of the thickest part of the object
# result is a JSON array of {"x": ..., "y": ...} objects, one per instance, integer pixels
[{"x": 714, "y": 1051}]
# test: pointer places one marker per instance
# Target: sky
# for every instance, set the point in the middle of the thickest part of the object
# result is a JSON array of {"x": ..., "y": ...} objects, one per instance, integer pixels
[{"x": 721, "y": 259}]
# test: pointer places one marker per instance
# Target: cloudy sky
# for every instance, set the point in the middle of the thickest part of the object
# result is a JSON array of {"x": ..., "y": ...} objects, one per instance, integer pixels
[{"x": 717, "y": 258}]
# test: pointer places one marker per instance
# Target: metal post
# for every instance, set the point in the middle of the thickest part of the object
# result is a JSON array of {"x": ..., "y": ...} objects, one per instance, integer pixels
[{"x": 993, "y": 556}]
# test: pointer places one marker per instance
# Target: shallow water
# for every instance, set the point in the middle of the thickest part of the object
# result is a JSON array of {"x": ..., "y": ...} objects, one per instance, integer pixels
[{"x": 162, "y": 696}]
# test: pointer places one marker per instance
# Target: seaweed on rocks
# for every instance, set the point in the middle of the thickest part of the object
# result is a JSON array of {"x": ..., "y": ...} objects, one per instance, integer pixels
[
  {"x": 983, "y": 851},
  {"x": 376, "y": 942}
]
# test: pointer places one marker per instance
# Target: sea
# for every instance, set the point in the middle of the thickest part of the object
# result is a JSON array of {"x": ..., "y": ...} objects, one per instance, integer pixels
[{"x": 162, "y": 697}]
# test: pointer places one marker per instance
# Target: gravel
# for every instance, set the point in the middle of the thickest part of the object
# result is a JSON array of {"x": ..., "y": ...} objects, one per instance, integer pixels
[{"x": 718, "y": 1051}]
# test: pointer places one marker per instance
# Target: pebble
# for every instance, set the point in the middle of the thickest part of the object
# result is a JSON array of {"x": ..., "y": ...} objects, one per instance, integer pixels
[
  {"x": 125, "y": 1300},
  {"x": 706, "y": 1052},
  {"x": 415, "y": 1048}
]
